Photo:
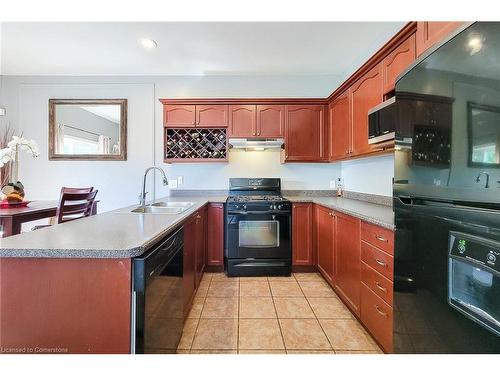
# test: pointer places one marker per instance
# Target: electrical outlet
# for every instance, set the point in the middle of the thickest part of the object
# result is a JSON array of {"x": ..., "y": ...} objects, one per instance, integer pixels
[
  {"x": 179, "y": 180},
  {"x": 332, "y": 184},
  {"x": 172, "y": 184}
]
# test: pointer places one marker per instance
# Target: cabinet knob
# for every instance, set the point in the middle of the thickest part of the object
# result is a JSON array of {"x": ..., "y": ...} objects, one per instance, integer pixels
[
  {"x": 193, "y": 123},
  {"x": 258, "y": 133},
  {"x": 332, "y": 214}
]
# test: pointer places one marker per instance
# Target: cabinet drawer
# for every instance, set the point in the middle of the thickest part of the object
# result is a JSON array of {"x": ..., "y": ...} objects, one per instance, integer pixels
[
  {"x": 379, "y": 284},
  {"x": 376, "y": 315},
  {"x": 378, "y": 260},
  {"x": 378, "y": 236}
]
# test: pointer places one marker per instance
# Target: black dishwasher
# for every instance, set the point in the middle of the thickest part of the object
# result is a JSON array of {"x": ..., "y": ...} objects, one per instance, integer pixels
[{"x": 157, "y": 297}]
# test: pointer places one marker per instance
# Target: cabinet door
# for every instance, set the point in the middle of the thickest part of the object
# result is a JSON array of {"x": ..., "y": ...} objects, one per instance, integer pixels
[
  {"x": 397, "y": 61},
  {"x": 188, "y": 276},
  {"x": 302, "y": 234},
  {"x": 270, "y": 121},
  {"x": 304, "y": 133},
  {"x": 242, "y": 121},
  {"x": 325, "y": 235},
  {"x": 348, "y": 259},
  {"x": 215, "y": 234},
  {"x": 340, "y": 127},
  {"x": 179, "y": 116},
  {"x": 430, "y": 33},
  {"x": 366, "y": 93},
  {"x": 200, "y": 257},
  {"x": 212, "y": 115}
]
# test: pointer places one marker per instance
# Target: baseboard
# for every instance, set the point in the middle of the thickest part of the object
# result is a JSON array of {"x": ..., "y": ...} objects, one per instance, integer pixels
[
  {"x": 304, "y": 269},
  {"x": 214, "y": 268}
]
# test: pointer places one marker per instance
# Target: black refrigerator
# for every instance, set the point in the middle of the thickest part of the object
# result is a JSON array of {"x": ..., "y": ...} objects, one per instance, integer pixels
[{"x": 447, "y": 197}]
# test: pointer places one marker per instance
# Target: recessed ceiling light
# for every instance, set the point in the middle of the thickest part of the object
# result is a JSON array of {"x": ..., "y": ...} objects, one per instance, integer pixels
[{"x": 148, "y": 43}]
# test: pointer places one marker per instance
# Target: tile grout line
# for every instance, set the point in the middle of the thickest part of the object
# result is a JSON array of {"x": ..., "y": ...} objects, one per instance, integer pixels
[
  {"x": 317, "y": 319},
  {"x": 201, "y": 312},
  {"x": 277, "y": 316}
]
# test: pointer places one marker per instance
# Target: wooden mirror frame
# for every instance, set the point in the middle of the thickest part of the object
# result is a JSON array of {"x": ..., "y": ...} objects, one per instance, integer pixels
[{"x": 92, "y": 157}]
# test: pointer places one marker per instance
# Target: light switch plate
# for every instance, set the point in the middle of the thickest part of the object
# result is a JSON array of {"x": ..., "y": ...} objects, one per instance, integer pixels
[
  {"x": 172, "y": 184},
  {"x": 332, "y": 184},
  {"x": 179, "y": 180}
]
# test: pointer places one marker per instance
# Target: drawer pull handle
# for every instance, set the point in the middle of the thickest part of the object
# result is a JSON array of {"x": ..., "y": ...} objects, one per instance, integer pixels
[
  {"x": 377, "y": 307},
  {"x": 381, "y": 238},
  {"x": 380, "y": 287},
  {"x": 381, "y": 262}
]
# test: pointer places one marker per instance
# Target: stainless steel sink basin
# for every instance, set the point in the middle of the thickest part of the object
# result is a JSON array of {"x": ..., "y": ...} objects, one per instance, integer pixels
[{"x": 170, "y": 208}]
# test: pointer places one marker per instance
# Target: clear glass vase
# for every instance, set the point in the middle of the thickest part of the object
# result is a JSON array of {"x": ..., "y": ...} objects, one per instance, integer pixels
[{"x": 14, "y": 168}]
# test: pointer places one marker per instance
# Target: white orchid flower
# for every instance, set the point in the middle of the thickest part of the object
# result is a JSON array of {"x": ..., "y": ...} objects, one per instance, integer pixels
[
  {"x": 6, "y": 155},
  {"x": 23, "y": 144}
]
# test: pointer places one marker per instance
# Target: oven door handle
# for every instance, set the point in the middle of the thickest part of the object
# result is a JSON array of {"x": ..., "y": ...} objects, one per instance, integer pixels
[{"x": 243, "y": 213}]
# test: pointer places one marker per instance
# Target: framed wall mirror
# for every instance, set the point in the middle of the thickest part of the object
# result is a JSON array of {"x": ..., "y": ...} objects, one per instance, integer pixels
[
  {"x": 484, "y": 135},
  {"x": 88, "y": 129}
]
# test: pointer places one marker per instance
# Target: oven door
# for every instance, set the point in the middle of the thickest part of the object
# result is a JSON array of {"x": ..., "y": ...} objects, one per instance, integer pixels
[{"x": 259, "y": 235}]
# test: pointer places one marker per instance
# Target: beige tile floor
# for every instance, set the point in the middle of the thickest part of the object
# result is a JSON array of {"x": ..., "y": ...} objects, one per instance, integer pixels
[{"x": 271, "y": 315}]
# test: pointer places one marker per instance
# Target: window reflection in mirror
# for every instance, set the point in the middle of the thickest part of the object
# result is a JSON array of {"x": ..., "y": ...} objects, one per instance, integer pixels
[
  {"x": 484, "y": 135},
  {"x": 87, "y": 129}
]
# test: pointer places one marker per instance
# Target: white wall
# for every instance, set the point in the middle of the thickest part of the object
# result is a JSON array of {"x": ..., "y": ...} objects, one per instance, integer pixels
[
  {"x": 26, "y": 99},
  {"x": 369, "y": 175}
]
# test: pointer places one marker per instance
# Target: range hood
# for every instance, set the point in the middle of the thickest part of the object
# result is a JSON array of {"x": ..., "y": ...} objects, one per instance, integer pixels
[{"x": 256, "y": 144}]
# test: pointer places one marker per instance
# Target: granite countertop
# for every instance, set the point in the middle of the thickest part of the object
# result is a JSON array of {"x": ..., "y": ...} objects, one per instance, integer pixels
[
  {"x": 371, "y": 212},
  {"x": 114, "y": 234}
]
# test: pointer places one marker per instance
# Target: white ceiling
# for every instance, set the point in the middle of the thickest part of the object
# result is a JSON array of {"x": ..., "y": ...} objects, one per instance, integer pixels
[{"x": 194, "y": 48}]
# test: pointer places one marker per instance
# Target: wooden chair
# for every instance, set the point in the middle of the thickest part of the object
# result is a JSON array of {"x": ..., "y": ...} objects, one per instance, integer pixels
[{"x": 74, "y": 203}]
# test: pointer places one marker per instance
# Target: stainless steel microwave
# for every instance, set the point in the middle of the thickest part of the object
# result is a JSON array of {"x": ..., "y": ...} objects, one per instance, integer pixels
[{"x": 382, "y": 122}]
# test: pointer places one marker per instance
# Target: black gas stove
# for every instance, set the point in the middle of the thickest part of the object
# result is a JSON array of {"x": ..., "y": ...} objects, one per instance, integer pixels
[{"x": 258, "y": 228}]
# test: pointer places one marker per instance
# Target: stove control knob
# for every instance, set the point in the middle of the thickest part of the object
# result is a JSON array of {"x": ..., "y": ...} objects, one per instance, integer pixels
[
  {"x": 272, "y": 206},
  {"x": 237, "y": 206},
  {"x": 280, "y": 206},
  {"x": 244, "y": 207}
]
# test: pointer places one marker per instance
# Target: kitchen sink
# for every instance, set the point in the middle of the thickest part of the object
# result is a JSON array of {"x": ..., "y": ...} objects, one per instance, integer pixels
[{"x": 170, "y": 208}]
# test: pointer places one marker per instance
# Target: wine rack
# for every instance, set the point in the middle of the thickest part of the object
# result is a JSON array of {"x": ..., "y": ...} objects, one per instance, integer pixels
[{"x": 195, "y": 145}]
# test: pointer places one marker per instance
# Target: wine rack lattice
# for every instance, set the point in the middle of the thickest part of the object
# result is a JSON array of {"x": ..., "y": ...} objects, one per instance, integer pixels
[{"x": 186, "y": 143}]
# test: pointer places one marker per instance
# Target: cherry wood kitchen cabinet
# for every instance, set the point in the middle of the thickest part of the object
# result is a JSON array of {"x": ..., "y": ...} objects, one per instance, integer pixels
[
  {"x": 271, "y": 121},
  {"x": 340, "y": 127},
  {"x": 200, "y": 249},
  {"x": 397, "y": 61},
  {"x": 190, "y": 116},
  {"x": 189, "y": 262},
  {"x": 179, "y": 116},
  {"x": 325, "y": 241},
  {"x": 366, "y": 93},
  {"x": 430, "y": 33},
  {"x": 302, "y": 234},
  {"x": 242, "y": 121},
  {"x": 348, "y": 260},
  {"x": 215, "y": 235},
  {"x": 304, "y": 133}
]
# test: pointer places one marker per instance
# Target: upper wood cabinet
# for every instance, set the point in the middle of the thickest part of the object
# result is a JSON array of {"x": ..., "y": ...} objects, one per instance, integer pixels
[
  {"x": 214, "y": 116},
  {"x": 325, "y": 241},
  {"x": 242, "y": 121},
  {"x": 302, "y": 234},
  {"x": 179, "y": 116},
  {"x": 366, "y": 93},
  {"x": 270, "y": 121},
  {"x": 256, "y": 121},
  {"x": 340, "y": 127},
  {"x": 429, "y": 33},
  {"x": 348, "y": 259},
  {"x": 304, "y": 133},
  {"x": 190, "y": 116},
  {"x": 215, "y": 234},
  {"x": 397, "y": 61}
]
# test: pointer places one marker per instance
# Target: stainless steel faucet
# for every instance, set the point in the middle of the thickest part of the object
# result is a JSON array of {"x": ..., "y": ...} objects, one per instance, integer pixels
[
  {"x": 142, "y": 196},
  {"x": 478, "y": 178}
]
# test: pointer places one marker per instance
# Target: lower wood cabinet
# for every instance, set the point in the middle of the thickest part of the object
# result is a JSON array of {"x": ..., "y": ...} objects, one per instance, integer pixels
[
  {"x": 348, "y": 259},
  {"x": 325, "y": 236},
  {"x": 189, "y": 265},
  {"x": 302, "y": 234},
  {"x": 376, "y": 315},
  {"x": 201, "y": 244},
  {"x": 215, "y": 235}
]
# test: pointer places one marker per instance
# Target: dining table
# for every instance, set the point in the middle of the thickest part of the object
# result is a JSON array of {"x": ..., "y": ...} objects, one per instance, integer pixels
[{"x": 12, "y": 218}]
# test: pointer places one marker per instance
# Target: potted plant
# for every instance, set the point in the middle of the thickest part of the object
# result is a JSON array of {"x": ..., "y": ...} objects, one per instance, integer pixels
[{"x": 9, "y": 159}]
